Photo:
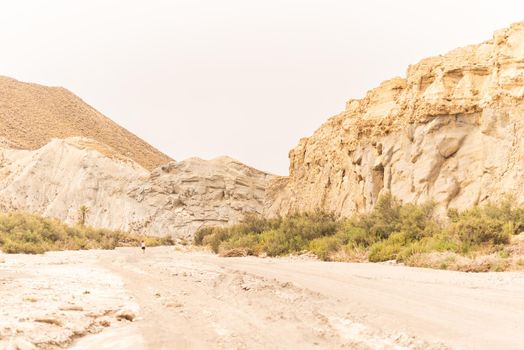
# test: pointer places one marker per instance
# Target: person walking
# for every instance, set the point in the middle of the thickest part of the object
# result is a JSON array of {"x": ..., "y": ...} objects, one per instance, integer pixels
[{"x": 143, "y": 246}]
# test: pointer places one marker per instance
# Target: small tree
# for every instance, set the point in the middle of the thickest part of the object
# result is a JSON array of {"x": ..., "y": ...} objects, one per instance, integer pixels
[{"x": 82, "y": 214}]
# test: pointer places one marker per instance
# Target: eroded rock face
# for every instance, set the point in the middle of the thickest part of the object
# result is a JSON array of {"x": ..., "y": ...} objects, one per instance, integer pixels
[
  {"x": 175, "y": 199},
  {"x": 450, "y": 131},
  {"x": 196, "y": 192}
]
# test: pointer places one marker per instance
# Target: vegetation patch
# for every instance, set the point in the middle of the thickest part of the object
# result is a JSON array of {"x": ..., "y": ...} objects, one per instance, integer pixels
[
  {"x": 32, "y": 234},
  {"x": 477, "y": 239}
]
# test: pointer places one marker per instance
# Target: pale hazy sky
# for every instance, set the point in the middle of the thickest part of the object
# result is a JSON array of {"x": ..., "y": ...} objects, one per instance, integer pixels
[{"x": 241, "y": 78}]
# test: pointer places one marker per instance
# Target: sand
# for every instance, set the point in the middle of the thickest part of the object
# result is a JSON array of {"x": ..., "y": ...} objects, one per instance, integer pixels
[
  {"x": 32, "y": 114},
  {"x": 196, "y": 300}
]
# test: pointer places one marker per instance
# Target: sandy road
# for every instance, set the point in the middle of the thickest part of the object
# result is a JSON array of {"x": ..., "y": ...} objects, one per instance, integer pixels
[
  {"x": 470, "y": 311},
  {"x": 200, "y": 301}
]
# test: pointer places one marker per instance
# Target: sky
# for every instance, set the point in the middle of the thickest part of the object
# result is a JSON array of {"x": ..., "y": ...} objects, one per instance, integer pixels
[{"x": 241, "y": 78}]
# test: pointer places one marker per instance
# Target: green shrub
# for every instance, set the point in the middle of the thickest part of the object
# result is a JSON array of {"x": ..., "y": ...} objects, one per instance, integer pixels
[
  {"x": 248, "y": 242},
  {"x": 272, "y": 243},
  {"x": 201, "y": 233},
  {"x": 255, "y": 223},
  {"x": 391, "y": 231},
  {"x": 416, "y": 221},
  {"x": 384, "y": 218},
  {"x": 507, "y": 211},
  {"x": 354, "y": 236},
  {"x": 308, "y": 226},
  {"x": 216, "y": 238},
  {"x": 275, "y": 243},
  {"x": 322, "y": 247},
  {"x": 275, "y": 236},
  {"x": 13, "y": 247},
  {"x": 388, "y": 249},
  {"x": 474, "y": 228},
  {"x": 26, "y": 233}
]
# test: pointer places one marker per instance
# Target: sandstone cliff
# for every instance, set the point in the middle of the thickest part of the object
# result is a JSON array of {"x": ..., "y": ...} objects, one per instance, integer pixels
[
  {"x": 451, "y": 131},
  {"x": 175, "y": 199},
  {"x": 31, "y": 115}
]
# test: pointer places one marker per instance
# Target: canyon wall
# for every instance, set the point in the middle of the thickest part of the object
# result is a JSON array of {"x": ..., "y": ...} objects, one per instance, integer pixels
[{"x": 451, "y": 131}]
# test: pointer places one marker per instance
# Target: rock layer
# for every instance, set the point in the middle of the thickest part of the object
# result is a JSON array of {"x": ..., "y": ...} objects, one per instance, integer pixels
[
  {"x": 175, "y": 199},
  {"x": 451, "y": 131}
]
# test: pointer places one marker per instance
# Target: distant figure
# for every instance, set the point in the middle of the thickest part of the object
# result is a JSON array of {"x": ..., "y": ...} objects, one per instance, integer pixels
[{"x": 143, "y": 246}]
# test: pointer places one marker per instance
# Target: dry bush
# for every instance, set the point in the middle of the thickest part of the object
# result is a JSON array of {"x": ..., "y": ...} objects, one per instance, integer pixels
[
  {"x": 234, "y": 252},
  {"x": 457, "y": 262}
]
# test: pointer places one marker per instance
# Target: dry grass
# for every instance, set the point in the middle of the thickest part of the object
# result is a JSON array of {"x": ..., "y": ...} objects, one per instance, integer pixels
[
  {"x": 53, "y": 321},
  {"x": 456, "y": 262},
  {"x": 350, "y": 255},
  {"x": 72, "y": 308},
  {"x": 234, "y": 252}
]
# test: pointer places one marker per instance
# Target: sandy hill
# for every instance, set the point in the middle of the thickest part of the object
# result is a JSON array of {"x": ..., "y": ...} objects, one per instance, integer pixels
[{"x": 31, "y": 115}]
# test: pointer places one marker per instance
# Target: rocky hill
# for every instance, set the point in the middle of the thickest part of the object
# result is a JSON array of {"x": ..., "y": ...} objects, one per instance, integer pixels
[
  {"x": 57, "y": 154},
  {"x": 451, "y": 131},
  {"x": 176, "y": 198},
  {"x": 31, "y": 115}
]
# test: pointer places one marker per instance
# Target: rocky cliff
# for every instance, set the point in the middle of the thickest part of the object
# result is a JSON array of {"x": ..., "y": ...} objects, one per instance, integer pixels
[
  {"x": 175, "y": 199},
  {"x": 452, "y": 130}
]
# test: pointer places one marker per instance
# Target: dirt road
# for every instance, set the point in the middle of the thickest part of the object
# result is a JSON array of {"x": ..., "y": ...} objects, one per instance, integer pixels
[
  {"x": 195, "y": 300},
  {"x": 200, "y": 301}
]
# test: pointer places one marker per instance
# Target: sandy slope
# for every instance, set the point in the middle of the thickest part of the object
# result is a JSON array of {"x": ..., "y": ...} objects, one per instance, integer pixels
[
  {"x": 32, "y": 114},
  {"x": 200, "y": 301}
]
